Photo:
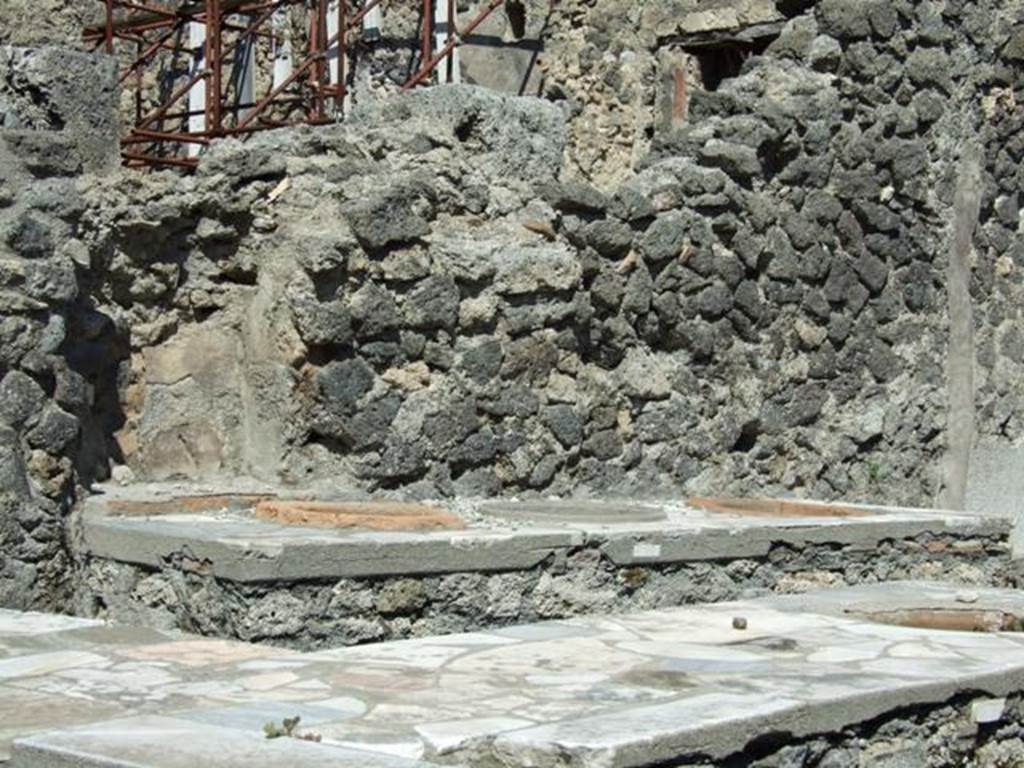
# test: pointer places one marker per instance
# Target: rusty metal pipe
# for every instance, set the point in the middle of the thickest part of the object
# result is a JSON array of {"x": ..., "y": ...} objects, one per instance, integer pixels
[
  {"x": 138, "y": 136},
  {"x": 426, "y": 47}
]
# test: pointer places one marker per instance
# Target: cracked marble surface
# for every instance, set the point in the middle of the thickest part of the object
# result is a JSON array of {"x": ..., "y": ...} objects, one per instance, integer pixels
[{"x": 603, "y": 691}]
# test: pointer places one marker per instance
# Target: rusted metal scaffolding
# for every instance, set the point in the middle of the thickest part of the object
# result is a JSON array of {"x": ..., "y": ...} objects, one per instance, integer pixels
[{"x": 178, "y": 109}]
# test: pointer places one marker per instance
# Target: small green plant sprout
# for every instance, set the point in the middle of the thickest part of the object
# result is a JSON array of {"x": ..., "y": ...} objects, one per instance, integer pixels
[
  {"x": 271, "y": 731},
  {"x": 287, "y": 729}
]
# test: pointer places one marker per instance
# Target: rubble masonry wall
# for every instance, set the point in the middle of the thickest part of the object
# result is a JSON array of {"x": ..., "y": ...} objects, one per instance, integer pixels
[{"x": 788, "y": 295}]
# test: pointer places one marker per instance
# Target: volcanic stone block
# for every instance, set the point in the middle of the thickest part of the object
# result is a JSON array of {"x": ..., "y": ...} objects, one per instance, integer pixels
[
  {"x": 664, "y": 238},
  {"x": 321, "y": 323},
  {"x": 609, "y": 237},
  {"x": 386, "y": 220},
  {"x": 30, "y": 236},
  {"x": 483, "y": 361},
  {"x": 374, "y": 310},
  {"x": 342, "y": 383},
  {"x": 433, "y": 303},
  {"x": 575, "y": 196},
  {"x": 643, "y": 376},
  {"x": 564, "y": 423},
  {"x": 21, "y": 398},
  {"x": 523, "y": 270},
  {"x": 738, "y": 161},
  {"x": 12, "y": 468},
  {"x": 56, "y": 428},
  {"x": 845, "y": 18}
]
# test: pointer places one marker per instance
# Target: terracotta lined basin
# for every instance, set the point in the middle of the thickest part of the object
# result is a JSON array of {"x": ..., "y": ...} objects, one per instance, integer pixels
[
  {"x": 773, "y": 507},
  {"x": 365, "y": 515}
]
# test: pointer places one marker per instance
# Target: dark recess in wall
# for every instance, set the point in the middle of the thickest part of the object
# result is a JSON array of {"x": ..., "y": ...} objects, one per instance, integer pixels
[{"x": 722, "y": 60}]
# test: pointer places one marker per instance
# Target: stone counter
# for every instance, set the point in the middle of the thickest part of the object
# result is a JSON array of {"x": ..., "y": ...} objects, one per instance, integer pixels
[{"x": 226, "y": 573}]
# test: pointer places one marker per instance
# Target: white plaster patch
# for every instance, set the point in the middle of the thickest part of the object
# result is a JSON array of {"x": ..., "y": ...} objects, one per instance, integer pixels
[{"x": 644, "y": 549}]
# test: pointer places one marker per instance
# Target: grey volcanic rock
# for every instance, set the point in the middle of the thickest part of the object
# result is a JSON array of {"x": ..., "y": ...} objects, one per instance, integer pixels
[
  {"x": 565, "y": 424},
  {"x": 13, "y": 477},
  {"x": 55, "y": 430},
  {"x": 432, "y": 303},
  {"x": 374, "y": 310},
  {"x": 21, "y": 399},
  {"x": 320, "y": 323},
  {"x": 536, "y": 269},
  {"x": 738, "y": 161},
  {"x": 343, "y": 383},
  {"x": 517, "y": 138},
  {"x": 846, "y": 18},
  {"x": 483, "y": 361},
  {"x": 387, "y": 219},
  {"x": 643, "y": 376},
  {"x": 664, "y": 238},
  {"x": 29, "y": 236}
]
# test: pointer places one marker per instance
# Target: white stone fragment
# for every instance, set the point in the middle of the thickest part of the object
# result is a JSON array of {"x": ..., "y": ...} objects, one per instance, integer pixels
[
  {"x": 987, "y": 710},
  {"x": 122, "y": 475},
  {"x": 642, "y": 375}
]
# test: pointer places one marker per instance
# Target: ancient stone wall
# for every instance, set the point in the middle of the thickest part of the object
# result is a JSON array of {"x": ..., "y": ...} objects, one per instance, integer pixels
[
  {"x": 763, "y": 308},
  {"x": 810, "y": 285},
  {"x": 420, "y": 301},
  {"x": 303, "y": 289},
  {"x": 57, "y": 122},
  {"x": 611, "y": 65},
  {"x": 866, "y": 144}
]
